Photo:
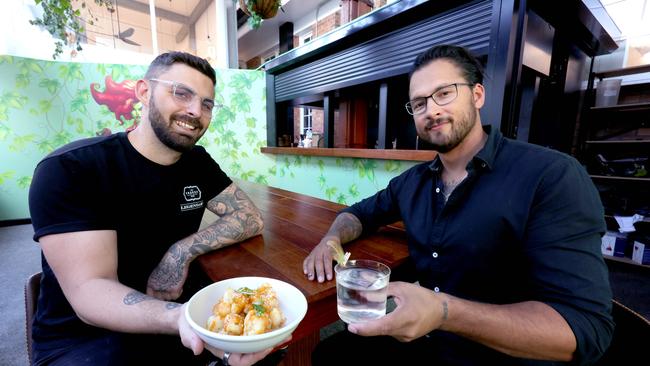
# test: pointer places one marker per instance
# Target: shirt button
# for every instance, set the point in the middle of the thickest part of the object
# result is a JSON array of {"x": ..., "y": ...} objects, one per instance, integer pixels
[
  {"x": 436, "y": 289},
  {"x": 482, "y": 165},
  {"x": 434, "y": 254},
  {"x": 437, "y": 190}
]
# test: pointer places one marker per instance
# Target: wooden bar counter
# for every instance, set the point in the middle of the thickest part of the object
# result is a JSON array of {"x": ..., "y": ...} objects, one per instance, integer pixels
[{"x": 293, "y": 225}]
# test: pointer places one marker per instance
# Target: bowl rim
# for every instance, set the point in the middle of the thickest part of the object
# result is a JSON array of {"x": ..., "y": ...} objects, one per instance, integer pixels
[{"x": 243, "y": 338}]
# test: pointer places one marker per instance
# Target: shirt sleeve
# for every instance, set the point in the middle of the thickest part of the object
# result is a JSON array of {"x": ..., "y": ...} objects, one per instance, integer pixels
[
  {"x": 562, "y": 245},
  {"x": 217, "y": 178},
  {"x": 61, "y": 199},
  {"x": 380, "y": 209}
]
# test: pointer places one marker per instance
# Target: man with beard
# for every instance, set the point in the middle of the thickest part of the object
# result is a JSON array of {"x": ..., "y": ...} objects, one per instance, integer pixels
[
  {"x": 504, "y": 236},
  {"x": 116, "y": 217}
]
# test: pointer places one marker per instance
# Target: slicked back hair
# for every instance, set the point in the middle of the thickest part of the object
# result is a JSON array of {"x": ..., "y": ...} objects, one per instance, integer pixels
[
  {"x": 470, "y": 66},
  {"x": 164, "y": 61}
]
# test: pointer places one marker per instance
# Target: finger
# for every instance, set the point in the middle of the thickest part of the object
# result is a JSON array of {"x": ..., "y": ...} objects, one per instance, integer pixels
[
  {"x": 376, "y": 327},
  {"x": 329, "y": 272},
  {"x": 196, "y": 345},
  {"x": 217, "y": 352},
  {"x": 283, "y": 344},
  {"x": 248, "y": 358},
  {"x": 308, "y": 267},
  {"x": 320, "y": 271}
]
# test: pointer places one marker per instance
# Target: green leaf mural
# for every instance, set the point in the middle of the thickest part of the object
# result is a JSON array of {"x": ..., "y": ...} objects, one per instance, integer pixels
[
  {"x": 47, "y": 104},
  {"x": 20, "y": 142},
  {"x": 52, "y": 85},
  {"x": 6, "y": 175},
  {"x": 24, "y": 182}
]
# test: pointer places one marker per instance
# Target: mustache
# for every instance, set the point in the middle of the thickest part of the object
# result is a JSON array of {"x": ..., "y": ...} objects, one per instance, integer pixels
[
  {"x": 437, "y": 121},
  {"x": 194, "y": 122}
]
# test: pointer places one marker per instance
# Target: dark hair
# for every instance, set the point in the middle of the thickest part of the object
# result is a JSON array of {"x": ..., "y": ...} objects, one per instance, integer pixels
[
  {"x": 164, "y": 61},
  {"x": 461, "y": 57}
]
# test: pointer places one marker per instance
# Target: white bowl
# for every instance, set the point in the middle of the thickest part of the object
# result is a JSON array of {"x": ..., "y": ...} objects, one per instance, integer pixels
[{"x": 293, "y": 305}]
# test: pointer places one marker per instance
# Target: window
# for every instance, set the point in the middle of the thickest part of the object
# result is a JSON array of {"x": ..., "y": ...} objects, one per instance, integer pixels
[
  {"x": 306, "y": 119},
  {"x": 305, "y": 38}
]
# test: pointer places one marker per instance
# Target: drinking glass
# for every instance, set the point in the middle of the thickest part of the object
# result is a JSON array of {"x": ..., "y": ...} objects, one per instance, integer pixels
[{"x": 361, "y": 289}]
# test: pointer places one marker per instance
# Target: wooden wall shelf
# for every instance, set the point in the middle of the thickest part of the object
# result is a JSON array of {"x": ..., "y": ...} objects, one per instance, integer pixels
[
  {"x": 409, "y": 155},
  {"x": 625, "y": 260}
]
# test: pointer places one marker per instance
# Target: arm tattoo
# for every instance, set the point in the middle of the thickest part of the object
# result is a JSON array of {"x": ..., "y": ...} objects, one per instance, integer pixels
[
  {"x": 347, "y": 227},
  {"x": 135, "y": 297},
  {"x": 239, "y": 220},
  {"x": 445, "y": 310}
]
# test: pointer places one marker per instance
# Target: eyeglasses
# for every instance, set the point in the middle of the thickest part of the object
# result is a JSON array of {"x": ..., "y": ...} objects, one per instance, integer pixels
[
  {"x": 185, "y": 96},
  {"x": 441, "y": 96}
]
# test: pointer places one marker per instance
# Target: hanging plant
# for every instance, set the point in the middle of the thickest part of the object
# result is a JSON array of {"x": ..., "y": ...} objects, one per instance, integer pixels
[
  {"x": 259, "y": 9},
  {"x": 64, "y": 22}
]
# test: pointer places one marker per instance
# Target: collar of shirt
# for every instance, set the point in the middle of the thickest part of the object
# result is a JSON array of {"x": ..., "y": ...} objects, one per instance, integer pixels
[{"x": 484, "y": 159}]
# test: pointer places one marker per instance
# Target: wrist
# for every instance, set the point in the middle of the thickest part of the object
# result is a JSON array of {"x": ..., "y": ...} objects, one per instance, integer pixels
[
  {"x": 180, "y": 253},
  {"x": 445, "y": 304}
]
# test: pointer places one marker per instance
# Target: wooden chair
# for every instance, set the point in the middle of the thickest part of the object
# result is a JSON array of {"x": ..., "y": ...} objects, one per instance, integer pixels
[
  {"x": 32, "y": 290},
  {"x": 630, "y": 337}
]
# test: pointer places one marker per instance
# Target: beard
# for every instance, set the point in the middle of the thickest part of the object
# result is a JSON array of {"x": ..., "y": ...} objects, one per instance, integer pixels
[
  {"x": 163, "y": 131},
  {"x": 460, "y": 128}
]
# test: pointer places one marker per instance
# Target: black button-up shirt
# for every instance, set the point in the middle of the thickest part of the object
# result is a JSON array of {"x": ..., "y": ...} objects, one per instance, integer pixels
[{"x": 524, "y": 225}]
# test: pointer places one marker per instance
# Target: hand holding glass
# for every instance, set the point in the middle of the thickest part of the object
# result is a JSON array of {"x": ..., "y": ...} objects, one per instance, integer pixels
[{"x": 361, "y": 290}]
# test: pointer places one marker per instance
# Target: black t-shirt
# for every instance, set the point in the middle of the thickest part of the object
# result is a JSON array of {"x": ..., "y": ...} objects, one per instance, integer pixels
[{"x": 103, "y": 183}]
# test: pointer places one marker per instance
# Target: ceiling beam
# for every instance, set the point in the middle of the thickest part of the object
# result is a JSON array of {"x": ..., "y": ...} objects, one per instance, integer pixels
[
  {"x": 162, "y": 13},
  {"x": 200, "y": 8}
]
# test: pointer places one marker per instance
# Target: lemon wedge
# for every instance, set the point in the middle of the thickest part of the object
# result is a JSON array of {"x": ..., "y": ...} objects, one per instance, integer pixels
[{"x": 339, "y": 256}]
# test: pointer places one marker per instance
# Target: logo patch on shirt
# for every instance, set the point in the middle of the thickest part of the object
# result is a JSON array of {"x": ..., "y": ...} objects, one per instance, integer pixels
[{"x": 192, "y": 195}]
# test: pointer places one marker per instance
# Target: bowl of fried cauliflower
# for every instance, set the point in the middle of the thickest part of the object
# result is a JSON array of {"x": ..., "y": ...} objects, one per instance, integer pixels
[{"x": 246, "y": 314}]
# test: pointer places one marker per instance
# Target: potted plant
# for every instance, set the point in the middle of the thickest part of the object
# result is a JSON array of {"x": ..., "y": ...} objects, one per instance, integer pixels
[
  {"x": 64, "y": 22},
  {"x": 259, "y": 9}
]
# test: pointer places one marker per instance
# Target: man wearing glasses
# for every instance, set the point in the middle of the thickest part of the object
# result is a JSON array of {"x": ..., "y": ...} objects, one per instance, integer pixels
[
  {"x": 504, "y": 236},
  {"x": 117, "y": 220}
]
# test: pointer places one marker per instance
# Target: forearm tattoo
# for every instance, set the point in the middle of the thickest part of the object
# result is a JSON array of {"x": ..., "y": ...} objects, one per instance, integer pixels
[
  {"x": 347, "y": 227},
  {"x": 445, "y": 310},
  {"x": 239, "y": 220},
  {"x": 135, "y": 297}
]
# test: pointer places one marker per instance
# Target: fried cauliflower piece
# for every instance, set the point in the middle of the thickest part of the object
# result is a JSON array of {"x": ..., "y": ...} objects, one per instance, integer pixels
[
  {"x": 233, "y": 324},
  {"x": 247, "y": 312},
  {"x": 256, "y": 323}
]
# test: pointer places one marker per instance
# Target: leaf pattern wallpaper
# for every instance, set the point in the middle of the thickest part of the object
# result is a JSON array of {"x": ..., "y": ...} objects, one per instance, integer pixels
[{"x": 46, "y": 104}]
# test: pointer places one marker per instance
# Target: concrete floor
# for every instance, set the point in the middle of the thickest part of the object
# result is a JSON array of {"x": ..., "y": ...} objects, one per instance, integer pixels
[{"x": 19, "y": 259}]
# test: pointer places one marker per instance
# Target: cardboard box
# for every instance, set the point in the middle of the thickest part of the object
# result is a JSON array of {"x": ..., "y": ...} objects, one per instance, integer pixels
[{"x": 641, "y": 253}]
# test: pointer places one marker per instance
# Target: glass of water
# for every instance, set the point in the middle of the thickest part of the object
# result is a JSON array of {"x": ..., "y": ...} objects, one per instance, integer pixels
[{"x": 361, "y": 289}]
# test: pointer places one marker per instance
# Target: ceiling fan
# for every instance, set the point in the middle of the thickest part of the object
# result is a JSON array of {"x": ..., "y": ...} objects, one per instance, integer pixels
[{"x": 123, "y": 35}]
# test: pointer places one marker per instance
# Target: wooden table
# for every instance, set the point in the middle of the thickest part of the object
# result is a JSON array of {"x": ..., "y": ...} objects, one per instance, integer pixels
[{"x": 293, "y": 225}]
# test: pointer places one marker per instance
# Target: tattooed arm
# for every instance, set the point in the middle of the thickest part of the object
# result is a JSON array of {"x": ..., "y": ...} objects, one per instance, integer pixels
[
  {"x": 239, "y": 220},
  {"x": 85, "y": 265},
  {"x": 318, "y": 263}
]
